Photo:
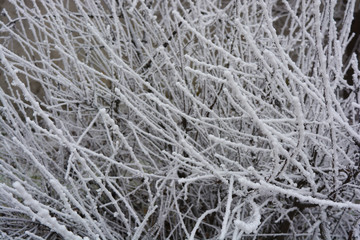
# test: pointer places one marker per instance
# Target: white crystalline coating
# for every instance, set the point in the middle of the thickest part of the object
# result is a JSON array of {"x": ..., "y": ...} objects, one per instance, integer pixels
[
  {"x": 228, "y": 75},
  {"x": 117, "y": 91},
  {"x": 271, "y": 58},
  {"x": 102, "y": 111},
  {"x": 108, "y": 120},
  {"x": 43, "y": 214},
  {"x": 252, "y": 225},
  {"x": 19, "y": 187},
  {"x": 216, "y": 120}
]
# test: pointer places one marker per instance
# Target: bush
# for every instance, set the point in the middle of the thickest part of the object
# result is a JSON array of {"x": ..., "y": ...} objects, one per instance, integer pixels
[{"x": 178, "y": 119}]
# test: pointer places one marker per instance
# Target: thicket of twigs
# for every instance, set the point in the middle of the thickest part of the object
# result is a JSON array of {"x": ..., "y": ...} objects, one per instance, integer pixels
[{"x": 178, "y": 120}]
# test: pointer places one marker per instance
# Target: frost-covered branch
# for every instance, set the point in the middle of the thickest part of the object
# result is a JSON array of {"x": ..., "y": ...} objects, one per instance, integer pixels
[{"x": 178, "y": 119}]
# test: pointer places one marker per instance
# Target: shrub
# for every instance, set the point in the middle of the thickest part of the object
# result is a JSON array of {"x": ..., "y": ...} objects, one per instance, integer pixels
[{"x": 178, "y": 119}]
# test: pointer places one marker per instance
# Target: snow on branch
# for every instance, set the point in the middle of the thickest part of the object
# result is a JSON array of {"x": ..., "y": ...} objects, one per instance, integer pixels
[{"x": 155, "y": 119}]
